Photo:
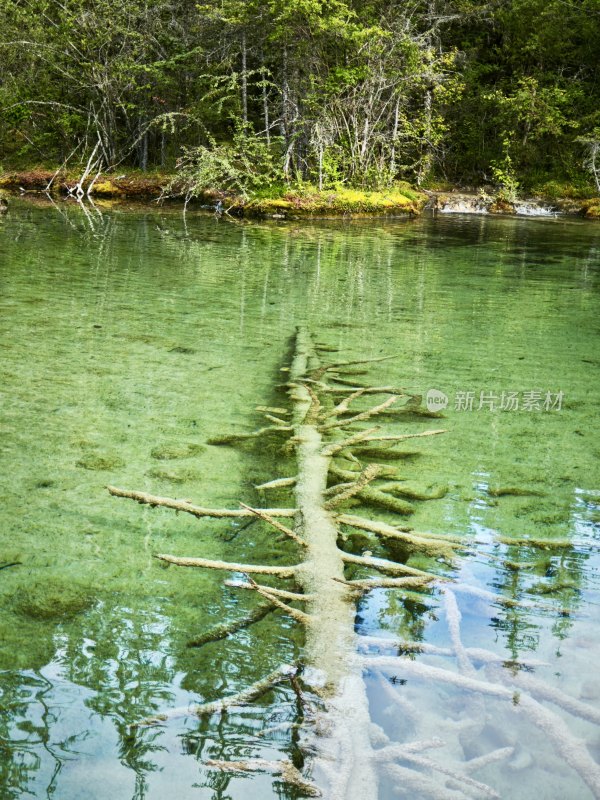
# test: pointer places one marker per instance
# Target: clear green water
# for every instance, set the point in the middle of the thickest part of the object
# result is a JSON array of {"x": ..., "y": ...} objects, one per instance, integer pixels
[{"x": 129, "y": 332}]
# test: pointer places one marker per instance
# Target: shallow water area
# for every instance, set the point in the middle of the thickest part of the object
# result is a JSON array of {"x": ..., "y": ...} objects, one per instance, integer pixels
[{"x": 130, "y": 338}]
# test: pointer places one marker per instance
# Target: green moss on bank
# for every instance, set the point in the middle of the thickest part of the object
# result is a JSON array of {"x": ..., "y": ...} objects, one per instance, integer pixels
[
  {"x": 284, "y": 202},
  {"x": 278, "y": 202},
  {"x": 309, "y": 201},
  {"x": 131, "y": 185},
  {"x": 591, "y": 208}
]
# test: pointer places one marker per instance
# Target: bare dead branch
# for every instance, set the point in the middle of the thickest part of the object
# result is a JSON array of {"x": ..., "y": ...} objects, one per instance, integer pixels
[
  {"x": 538, "y": 688},
  {"x": 342, "y": 407},
  {"x": 401, "y": 437},
  {"x": 197, "y": 511},
  {"x": 389, "y": 583},
  {"x": 453, "y": 620},
  {"x": 277, "y": 525},
  {"x": 226, "y": 629},
  {"x": 242, "y": 698},
  {"x": 570, "y": 748},
  {"x": 271, "y": 590},
  {"x": 274, "y": 410},
  {"x": 390, "y": 530},
  {"x": 312, "y": 414},
  {"x": 433, "y": 547},
  {"x": 399, "y": 752},
  {"x": 501, "y": 754},
  {"x": 420, "y": 785},
  {"x": 317, "y": 374},
  {"x": 278, "y": 483},
  {"x": 369, "y": 474},
  {"x": 279, "y": 422},
  {"x": 230, "y": 566},
  {"x": 384, "y": 565},
  {"x": 284, "y": 769},
  {"x": 366, "y": 390},
  {"x": 401, "y": 489},
  {"x": 375, "y": 497},
  {"x": 234, "y": 438},
  {"x": 337, "y": 488},
  {"x": 335, "y": 447},
  {"x": 299, "y": 616},
  {"x": 362, "y": 417},
  {"x": 477, "y": 654}
]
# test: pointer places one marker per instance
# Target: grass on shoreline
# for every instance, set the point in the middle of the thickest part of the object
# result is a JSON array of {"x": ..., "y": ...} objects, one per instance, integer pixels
[
  {"x": 283, "y": 202},
  {"x": 278, "y": 202}
]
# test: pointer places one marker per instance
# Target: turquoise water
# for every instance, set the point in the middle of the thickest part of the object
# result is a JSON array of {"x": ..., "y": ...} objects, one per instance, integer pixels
[{"x": 130, "y": 337}]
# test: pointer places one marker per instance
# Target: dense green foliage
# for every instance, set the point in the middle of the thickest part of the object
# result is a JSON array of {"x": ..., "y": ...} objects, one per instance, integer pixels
[{"x": 251, "y": 93}]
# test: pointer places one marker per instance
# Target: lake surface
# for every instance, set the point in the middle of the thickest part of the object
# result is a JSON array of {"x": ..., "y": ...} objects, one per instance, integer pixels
[{"x": 130, "y": 337}]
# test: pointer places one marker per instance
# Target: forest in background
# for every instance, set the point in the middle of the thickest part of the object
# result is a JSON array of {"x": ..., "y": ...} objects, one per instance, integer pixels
[{"x": 253, "y": 95}]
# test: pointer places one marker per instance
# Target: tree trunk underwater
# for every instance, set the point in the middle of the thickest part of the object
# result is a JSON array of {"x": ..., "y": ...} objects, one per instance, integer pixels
[{"x": 346, "y": 753}]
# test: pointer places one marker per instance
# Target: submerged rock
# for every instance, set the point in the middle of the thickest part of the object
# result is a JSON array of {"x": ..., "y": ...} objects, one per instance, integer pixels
[
  {"x": 94, "y": 461},
  {"x": 44, "y": 483},
  {"x": 501, "y": 206},
  {"x": 174, "y": 450},
  {"x": 53, "y": 600},
  {"x": 458, "y": 203},
  {"x": 482, "y": 203},
  {"x": 174, "y": 475}
]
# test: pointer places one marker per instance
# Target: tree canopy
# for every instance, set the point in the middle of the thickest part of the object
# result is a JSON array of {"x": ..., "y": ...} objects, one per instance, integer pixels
[{"x": 362, "y": 93}]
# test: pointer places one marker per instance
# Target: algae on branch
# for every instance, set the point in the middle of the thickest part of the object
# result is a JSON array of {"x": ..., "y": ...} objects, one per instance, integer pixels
[{"x": 514, "y": 491}]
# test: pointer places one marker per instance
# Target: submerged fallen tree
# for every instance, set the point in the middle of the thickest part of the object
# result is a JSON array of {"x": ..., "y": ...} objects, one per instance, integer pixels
[{"x": 350, "y": 753}]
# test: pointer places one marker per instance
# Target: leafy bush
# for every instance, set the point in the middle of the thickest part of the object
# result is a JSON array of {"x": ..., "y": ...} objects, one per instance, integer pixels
[
  {"x": 559, "y": 190},
  {"x": 243, "y": 166},
  {"x": 504, "y": 175}
]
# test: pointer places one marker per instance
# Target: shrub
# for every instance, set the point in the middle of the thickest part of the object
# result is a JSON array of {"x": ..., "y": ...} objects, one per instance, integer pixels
[{"x": 243, "y": 166}]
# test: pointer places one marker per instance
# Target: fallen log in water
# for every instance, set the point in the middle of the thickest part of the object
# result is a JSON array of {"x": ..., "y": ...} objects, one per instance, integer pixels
[{"x": 347, "y": 760}]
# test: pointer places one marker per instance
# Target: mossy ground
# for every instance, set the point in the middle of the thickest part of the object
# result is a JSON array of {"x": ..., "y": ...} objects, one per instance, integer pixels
[
  {"x": 294, "y": 202},
  {"x": 131, "y": 184},
  {"x": 591, "y": 208},
  {"x": 277, "y": 201},
  {"x": 310, "y": 201}
]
